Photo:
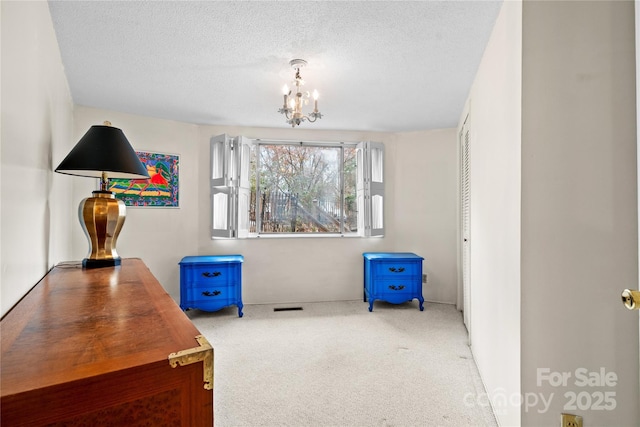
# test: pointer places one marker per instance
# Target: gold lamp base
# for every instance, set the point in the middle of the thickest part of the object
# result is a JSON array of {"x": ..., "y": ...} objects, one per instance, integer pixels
[{"x": 102, "y": 217}]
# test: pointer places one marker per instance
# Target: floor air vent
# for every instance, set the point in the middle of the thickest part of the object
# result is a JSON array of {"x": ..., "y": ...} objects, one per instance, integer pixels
[{"x": 287, "y": 309}]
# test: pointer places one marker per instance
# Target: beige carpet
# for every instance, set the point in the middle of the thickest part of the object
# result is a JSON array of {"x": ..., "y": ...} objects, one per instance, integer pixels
[{"x": 337, "y": 364}]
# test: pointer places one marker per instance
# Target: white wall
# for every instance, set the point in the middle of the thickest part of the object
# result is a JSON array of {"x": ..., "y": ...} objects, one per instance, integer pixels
[
  {"x": 425, "y": 191},
  {"x": 494, "y": 107},
  {"x": 37, "y": 120},
  {"x": 554, "y": 229},
  {"x": 420, "y": 214},
  {"x": 579, "y": 203},
  {"x": 296, "y": 269},
  {"x": 326, "y": 269}
]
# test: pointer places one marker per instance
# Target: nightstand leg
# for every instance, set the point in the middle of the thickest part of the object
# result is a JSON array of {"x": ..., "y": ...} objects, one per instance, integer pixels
[
  {"x": 240, "y": 310},
  {"x": 370, "y": 305},
  {"x": 421, "y": 301}
]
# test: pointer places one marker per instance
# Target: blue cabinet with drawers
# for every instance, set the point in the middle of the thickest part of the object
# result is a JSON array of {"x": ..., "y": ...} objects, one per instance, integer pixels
[
  {"x": 395, "y": 277},
  {"x": 211, "y": 282}
]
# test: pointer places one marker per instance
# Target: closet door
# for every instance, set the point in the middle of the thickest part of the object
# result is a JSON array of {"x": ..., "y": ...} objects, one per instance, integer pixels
[{"x": 465, "y": 216}]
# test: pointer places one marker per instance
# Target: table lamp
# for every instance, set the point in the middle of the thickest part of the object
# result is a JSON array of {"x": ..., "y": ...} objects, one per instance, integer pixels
[{"x": 103, "y": 152}]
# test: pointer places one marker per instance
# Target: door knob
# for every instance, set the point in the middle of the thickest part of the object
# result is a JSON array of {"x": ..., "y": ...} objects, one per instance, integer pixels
[{"x": 631, "y": 299}]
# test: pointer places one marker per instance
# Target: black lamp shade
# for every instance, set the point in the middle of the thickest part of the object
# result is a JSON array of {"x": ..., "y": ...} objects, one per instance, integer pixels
[{"x": 103, "y": 149}]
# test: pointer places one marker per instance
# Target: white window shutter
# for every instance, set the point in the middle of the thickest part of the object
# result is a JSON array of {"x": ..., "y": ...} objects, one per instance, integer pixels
[
  {"x": 360, "y": 190},
  {"x": 376, "y": 162},
  {"x": 222, "y": 191},
  {"x": 370, "y": 188},
  {"x": 220, "y": 146},
  {"x": 230, "y": 186},
  {"x": 222, "y": 212},
  {"x": 243, "y": 156}
]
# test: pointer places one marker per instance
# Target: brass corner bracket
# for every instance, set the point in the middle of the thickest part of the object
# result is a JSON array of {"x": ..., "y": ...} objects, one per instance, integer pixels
[{"x": 203, "y": 353}]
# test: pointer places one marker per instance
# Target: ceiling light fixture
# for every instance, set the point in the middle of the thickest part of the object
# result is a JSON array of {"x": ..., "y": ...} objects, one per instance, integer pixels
[{"x": 293, "y": 102}]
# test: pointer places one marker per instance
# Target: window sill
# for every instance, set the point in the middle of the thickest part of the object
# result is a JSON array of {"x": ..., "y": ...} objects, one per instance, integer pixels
[
  {"x": 302, "y": 235},
  {"x": 295, "y": 236}
]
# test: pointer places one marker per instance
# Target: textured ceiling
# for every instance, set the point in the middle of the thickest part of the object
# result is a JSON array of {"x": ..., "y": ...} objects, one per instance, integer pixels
[{"x": 388, "y": 66}]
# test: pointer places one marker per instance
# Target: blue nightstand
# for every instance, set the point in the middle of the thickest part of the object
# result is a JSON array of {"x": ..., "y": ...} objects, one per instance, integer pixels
[
  {"x": 395, "y": 277},
  {"x": 211, "y": 282}
]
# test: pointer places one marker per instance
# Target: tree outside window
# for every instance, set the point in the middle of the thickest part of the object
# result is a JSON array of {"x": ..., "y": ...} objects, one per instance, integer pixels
[{"x": 303, "y": 189}]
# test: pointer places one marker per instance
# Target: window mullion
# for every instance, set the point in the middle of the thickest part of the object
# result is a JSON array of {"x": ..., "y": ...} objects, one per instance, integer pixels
[
  {"x": 258, "y": 192},
  {"x": 342, "y": 189}
]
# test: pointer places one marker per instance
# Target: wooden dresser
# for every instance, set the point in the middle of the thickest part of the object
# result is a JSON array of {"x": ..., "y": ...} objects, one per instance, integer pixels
[{"x": 98, "y": 347}]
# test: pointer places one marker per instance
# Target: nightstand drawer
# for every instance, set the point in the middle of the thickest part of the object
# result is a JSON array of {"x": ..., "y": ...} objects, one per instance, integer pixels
[
  {"x": 395, "y": 291},
  {"x": 213, "y": 274},
  {"x": 211, "y": 293},
  {"x": 396, "y": 269}
]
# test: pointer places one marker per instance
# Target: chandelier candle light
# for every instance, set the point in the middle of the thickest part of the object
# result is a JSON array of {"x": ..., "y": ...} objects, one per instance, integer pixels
[{"x": 293, "y": 102}]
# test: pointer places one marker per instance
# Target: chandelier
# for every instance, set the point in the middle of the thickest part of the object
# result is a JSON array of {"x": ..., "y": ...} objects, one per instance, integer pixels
[{"x": 293, "y": 102}]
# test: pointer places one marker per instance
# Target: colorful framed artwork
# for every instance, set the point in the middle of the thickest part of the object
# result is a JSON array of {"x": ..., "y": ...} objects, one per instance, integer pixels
[{"x": 161, "y": 190}]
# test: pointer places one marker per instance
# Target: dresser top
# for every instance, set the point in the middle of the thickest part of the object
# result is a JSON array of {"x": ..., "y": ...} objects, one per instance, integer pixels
[
  {"x": 77, "y": 323},
  {"x": 208, "y": 259},
  {"x": 392, "y": 255}
]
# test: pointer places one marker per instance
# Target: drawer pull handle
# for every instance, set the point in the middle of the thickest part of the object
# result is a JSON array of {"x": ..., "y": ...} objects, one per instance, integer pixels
[
  {"x": 211, "y": 294},
  {"x": 396, "y": 288},
  {"x": 214, "y": 274},
  {"x": 396, "y": 270}
]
